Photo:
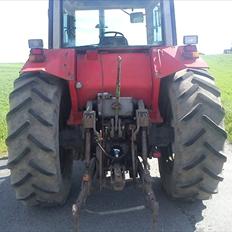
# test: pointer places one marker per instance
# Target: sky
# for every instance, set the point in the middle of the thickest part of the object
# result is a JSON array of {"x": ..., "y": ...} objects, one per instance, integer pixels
[{"x": 21, "y": 20}]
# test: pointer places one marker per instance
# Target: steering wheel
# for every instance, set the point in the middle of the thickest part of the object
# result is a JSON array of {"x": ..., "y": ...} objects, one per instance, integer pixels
[{"x": 116, "y": 34}]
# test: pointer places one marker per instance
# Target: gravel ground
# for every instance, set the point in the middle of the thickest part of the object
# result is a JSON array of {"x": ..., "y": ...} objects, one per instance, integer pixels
[{"x": 208, "y": 216}]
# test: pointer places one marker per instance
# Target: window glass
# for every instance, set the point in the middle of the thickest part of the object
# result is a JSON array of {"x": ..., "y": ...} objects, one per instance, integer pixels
[
  {"x": 157, "y": 25},
  {"x": 84, "y": 22},
  {"x": 86, "y": 33}
]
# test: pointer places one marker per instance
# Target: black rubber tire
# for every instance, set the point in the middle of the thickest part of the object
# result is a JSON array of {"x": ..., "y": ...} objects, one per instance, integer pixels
[
  {"x": 194, "y": 171},
  {"x": 40, "y": 169}
]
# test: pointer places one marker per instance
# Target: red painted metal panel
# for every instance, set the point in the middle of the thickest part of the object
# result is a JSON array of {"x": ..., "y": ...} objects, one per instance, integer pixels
[
  {"x": 58, "y": 62},
  {"x": 169, "y": 60},
  {"x": 75, "y": 117},
  {"x": 96, "y": 71},
  {"x": 99, "y": 75}
]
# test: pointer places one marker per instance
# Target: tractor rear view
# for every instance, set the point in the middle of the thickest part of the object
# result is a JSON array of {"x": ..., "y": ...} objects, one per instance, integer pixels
[{"x": 114, "y": 91}]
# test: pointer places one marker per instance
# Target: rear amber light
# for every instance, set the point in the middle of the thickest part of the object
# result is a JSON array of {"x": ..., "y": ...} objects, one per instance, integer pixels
[{"x": 195, "y": 54}]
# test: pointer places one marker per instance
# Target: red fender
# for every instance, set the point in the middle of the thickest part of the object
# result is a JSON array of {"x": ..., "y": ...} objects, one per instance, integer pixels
[
  {"x": 72, "y": 67},
  {"x": 62, "y": 64},
  {"x": 167, "y": 61}
]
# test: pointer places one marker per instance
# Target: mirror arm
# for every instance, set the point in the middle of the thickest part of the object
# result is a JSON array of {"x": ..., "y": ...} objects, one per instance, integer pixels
[{"x": 125, "y": 12}]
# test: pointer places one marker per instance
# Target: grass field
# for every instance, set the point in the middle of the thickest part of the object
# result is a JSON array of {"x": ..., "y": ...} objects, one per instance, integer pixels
[
  {"x": 220, "y": 67},
  {"x": 8, "y": 73}
]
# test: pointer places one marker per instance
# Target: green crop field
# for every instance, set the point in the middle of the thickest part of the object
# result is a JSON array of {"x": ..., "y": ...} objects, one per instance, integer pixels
[
  {"x": 220, "y": 67},
  {"x": 8, "y": 73}
]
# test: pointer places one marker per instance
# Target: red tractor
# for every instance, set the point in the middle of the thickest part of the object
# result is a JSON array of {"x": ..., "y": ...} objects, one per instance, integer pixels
[{"x": 114, "y": 90}]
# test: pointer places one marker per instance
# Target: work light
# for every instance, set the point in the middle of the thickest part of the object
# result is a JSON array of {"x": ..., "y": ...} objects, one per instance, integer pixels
[
  {"x": 35, "y": 43},
  {"x": 190, "y": 39}
]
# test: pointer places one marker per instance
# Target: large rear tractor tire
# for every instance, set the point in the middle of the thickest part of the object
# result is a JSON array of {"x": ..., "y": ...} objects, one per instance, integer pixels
[
  {"x": 191, "y": 167},
  {"x": 40, "y": 168}
]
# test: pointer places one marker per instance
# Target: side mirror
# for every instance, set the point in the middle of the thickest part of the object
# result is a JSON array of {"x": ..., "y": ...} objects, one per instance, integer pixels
[{"x": 137, "y": 17}]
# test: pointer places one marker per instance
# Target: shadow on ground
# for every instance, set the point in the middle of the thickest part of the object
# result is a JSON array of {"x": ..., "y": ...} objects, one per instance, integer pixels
[{"x": 173, "y": 216}]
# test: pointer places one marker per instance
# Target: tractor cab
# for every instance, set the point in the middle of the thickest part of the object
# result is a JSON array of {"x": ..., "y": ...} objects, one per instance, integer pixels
[{"x": 111, "y": 23}]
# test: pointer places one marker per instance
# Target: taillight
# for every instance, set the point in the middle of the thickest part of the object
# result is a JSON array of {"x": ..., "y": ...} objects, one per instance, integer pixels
[
  {"x": 37, "y": 52},
  {"x": 190, "y": 52},
  {"x": 190, "y": 48},
  {"x": 37, "y": 55}
]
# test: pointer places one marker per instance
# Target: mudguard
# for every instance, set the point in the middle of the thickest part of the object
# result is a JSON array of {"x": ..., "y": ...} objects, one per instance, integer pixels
[{"x": 164, "y": 61}]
